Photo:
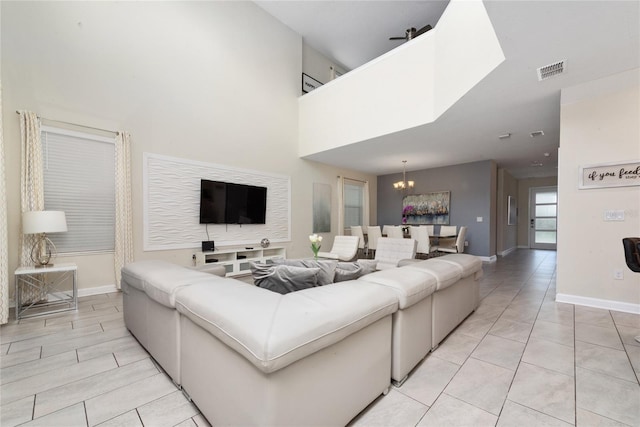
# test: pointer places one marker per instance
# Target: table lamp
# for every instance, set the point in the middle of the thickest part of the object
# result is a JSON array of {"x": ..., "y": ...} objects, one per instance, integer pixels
[{"x": 43, "y": 222}]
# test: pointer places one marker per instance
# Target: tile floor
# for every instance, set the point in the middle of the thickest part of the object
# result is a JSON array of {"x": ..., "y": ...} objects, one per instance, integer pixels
[{"x": 520, "y": 360}]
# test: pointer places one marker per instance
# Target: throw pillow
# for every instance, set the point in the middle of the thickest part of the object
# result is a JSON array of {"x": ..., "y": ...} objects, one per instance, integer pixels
[
  {"x": 327, "y": 267},
  {"x": 353, "y": 270},
  {"x": 368, "y": 265},
  {"x": 284, "y": 278},
  {"x": 347, "y": 271}
]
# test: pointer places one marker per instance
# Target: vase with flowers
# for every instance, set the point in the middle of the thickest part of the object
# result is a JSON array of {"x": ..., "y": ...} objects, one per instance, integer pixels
[
  {"x": 406, "y": 211},
  {"x": 315, "y": 244}
]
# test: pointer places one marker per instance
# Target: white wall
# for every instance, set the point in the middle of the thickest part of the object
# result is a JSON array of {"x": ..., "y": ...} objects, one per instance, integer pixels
[
  {"x": 599, "y": 124},
  {"x": 181, "y": 78},
  {"x": 423, "y": 78}
]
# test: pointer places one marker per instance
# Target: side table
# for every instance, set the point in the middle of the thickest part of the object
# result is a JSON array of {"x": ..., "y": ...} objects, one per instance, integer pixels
[{"x": 46, "y": 281}]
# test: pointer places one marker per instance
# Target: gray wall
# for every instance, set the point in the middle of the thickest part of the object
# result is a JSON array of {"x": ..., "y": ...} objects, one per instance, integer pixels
[{"x": 473, "y": 194}]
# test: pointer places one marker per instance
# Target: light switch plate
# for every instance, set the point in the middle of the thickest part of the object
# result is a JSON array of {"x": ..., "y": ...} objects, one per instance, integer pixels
[
  {"x": 478, "y": 219},
  {"x": 614, "y": 215}
]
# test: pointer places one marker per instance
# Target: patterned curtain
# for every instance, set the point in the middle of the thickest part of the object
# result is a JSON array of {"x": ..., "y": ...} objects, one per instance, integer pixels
[
  {"x": 31, "y": 186},
  {"x": 124, "y": 216},
  {"x": 4, "y": 245}
]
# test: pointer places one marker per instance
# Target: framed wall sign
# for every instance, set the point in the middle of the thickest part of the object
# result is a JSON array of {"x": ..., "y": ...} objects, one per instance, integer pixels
[
  {"x": 617, "y": 174},
  {"x": 309, "y": 83}
]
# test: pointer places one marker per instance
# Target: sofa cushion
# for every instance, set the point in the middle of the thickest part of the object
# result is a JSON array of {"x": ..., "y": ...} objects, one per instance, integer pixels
[
  {"x": 327, "y": 267},
  {"x": 161, "y": 280},
  {"x": 284, "y": 278},
  {"x": 272, "y": 330},
  {"x": 468, "y": 264},
  {"x": 410, "y": 285},
  {"x": 445, "y": 273},
  {"x": 353, "y": 270}
]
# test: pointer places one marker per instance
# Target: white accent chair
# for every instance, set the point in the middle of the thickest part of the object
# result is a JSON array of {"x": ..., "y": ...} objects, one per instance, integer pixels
[
  {"x": 421, "y": 236},
  {"x": 373, "y": 234},
  {"x": 395, "y": 232},
  {"x": 345, "y": 248},
  {"x": 391, "y": 251},
  {"x": 356, "y": 230},
  {"x": 458, "y": 246}
]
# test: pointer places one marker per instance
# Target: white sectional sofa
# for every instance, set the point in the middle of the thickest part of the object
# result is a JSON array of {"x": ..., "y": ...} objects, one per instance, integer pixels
[{"x": 318, "y": 356}]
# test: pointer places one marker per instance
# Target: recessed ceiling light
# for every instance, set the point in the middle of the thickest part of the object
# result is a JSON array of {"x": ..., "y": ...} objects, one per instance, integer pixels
[
  {"x": 547, "y": 154},
  {"x": 504, "y": 136},
  {"x": 536, "y": 133}
]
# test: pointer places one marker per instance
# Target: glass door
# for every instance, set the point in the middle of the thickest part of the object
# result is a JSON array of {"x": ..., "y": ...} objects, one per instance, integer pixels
[{"x": 543, "y": 217}]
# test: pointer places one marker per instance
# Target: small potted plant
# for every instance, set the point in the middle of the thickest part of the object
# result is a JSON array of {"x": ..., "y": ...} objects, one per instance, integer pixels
[{"x": 315, "y": 244}]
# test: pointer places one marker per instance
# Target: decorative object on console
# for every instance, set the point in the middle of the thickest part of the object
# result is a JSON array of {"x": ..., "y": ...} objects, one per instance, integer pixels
[
  {"x": 265, "y": 243},
  {"x": 43, "y": 222},
  {"x": 315, "y": 244},
  {"x": 404, "y": 184},
  {"x": 208, "y": 246},
  {"x": 428, "y": 208}
]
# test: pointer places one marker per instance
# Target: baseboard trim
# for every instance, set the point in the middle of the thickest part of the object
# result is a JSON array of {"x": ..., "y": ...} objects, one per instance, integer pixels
[
  {"x": 508, "y": 251},
  {"x": 523, "y": 247},
  {"x": 491, "y": 258},
  {"x": 599, "y": 303},
  {"x": 106, "y": 289}
]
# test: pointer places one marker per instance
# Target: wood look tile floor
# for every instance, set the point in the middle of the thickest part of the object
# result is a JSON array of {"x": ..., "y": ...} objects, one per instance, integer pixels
[{"x": 520, "y": 360}]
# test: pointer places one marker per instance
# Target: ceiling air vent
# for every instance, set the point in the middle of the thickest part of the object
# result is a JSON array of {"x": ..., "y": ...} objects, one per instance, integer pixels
[{"x": 551, "y": 70}]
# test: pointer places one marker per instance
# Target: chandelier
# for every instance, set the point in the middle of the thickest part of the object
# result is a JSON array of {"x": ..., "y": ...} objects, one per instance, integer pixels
[{"x": 404, "y": 184}]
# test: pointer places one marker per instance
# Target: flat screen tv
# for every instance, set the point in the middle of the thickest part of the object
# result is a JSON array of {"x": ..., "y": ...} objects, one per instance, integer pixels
[{"x": 227, "y": 203}]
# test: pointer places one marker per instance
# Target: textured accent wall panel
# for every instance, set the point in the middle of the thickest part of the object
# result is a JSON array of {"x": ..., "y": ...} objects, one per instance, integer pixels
[{"x": 171, "y": 188}]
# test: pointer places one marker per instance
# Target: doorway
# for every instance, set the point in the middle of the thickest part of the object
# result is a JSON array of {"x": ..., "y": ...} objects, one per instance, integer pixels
[{"x": 543, "y": 217}]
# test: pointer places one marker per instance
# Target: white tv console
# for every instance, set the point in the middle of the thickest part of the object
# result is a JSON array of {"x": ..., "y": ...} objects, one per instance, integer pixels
[{"x": 236, "y": 259}]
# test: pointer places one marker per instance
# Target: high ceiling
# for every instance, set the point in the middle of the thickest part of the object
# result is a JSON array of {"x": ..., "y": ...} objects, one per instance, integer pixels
[{"x": 595, "y": 38}]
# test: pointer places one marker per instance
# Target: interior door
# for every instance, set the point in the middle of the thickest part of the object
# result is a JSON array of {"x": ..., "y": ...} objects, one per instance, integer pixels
[{"x": 543, "y": 217}]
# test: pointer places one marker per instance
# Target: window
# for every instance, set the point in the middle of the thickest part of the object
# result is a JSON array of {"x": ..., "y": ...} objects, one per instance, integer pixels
[
  {"x": 353, "y": 203},
  {"x": 79, "y": 179}
]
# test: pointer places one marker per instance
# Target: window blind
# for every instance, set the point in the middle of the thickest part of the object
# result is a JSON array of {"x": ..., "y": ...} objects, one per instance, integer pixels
[
  {"x": 353, "y": 203},
  {"x": 79, "y": 179}
]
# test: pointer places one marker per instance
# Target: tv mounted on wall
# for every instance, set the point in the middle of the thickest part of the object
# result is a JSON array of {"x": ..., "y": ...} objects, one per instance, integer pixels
[{"x": 228, "y": 203}]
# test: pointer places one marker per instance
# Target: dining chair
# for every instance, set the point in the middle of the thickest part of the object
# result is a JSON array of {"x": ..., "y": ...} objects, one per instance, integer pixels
[
  {"x": 421, "y": 235},
  {"x": 447, "y": 236},
  {"x": 356, "y": 230},
  {"x": 395, "y": 232},
  {"x": 458, "y": 246},
  {"x": 448, "y": 230},
  {"x": 373, "y": 234}
]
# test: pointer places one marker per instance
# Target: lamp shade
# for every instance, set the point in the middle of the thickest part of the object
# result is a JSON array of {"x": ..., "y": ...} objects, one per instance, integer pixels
[{"x": 35, "y": 222}]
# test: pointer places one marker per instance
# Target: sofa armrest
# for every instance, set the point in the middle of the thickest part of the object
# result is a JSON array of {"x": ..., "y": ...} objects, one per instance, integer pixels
[{"x": 215, "y": 269}]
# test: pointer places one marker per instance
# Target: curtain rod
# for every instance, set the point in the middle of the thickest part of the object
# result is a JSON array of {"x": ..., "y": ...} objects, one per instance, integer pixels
[
  {"x": 353, "y": 179},
  {"x": 75, "y": 124}
]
